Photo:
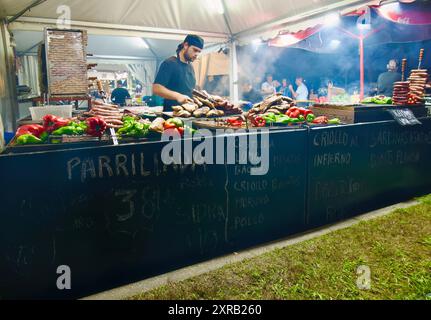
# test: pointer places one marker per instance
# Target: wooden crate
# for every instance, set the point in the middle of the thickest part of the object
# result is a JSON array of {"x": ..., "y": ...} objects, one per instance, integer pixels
[{"x": 364, "y": 113}]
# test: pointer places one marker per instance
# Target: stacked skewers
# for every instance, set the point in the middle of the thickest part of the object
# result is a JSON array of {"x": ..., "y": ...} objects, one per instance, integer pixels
[{"x": 401, "y": 88}]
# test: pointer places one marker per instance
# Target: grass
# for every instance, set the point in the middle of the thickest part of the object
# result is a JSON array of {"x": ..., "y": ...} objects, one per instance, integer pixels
[{"x": 396, "y": 248}]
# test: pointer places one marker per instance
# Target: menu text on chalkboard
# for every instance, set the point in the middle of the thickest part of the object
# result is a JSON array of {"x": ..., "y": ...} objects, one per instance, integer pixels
[{"x": 404, "y": 117}]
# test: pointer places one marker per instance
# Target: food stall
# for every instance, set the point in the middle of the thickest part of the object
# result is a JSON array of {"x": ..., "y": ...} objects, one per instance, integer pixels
[{"x": 100, "y": 198}]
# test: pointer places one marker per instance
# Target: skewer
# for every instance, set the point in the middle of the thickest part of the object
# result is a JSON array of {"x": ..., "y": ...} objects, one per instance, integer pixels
[
  {"x": 421, "y": 56},
  {"x": 403, "y": 69},
  {"x": 103, "y": 95}
]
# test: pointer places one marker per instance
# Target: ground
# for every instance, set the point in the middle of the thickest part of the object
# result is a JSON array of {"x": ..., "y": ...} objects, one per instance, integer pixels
[{"x": 395, "y": 249}]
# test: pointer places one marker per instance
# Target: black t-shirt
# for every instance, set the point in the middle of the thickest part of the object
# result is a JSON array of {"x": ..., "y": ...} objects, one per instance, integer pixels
[
  {"x": 176, "y": 76},
  {"x": 119, "y": 96},
  {"x": 385, "y": 83}
]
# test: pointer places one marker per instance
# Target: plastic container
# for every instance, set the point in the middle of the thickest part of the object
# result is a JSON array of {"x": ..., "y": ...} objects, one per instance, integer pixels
[{"x": 37, "y": 113}]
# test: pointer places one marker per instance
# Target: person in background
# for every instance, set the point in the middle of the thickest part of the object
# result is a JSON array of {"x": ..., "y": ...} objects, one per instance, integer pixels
[
  {"x": 284, "y": 89},
  {"x": 385, "y": 82},
  {"x": 268, "y": 88},
  {"x": 138, "y": 90},
  {"x": 249, "y": 94},
  {"x": 301, "y": 93},
  {"x": 120, "y": 94}
]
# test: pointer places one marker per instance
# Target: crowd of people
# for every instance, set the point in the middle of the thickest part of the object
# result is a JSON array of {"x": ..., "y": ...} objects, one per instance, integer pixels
[
  {"x": 176, "y": 80},
  {"x": 255, "y": 91}
]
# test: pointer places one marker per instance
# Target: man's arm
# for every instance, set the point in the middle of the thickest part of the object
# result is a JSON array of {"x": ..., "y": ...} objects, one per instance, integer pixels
[{"x": 164, "y": 92}]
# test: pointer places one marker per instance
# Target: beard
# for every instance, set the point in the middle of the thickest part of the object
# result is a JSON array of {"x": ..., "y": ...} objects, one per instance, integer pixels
[{"x": 188, "y": 57}]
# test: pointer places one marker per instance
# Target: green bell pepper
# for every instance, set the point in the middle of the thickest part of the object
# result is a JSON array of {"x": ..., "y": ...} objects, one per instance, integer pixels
[
  {"x": 334, "y": 121},
  {"x": 311, "y": 118},
  {"x": 283, "y": 119},
  {"x": 270, "y": 117},
  {"x": 177, "y": 122},
  {"x": 71, "y": 130},
  {"x": 133, "y": 128},
  {"x": 28, "y": 139}
]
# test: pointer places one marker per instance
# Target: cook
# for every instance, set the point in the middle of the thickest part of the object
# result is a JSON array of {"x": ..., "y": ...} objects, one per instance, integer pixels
[{"x": 176, "y": 79}]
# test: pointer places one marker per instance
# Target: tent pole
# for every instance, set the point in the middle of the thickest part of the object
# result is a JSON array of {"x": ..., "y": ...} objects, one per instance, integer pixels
[{"x": 361, "y": 58}]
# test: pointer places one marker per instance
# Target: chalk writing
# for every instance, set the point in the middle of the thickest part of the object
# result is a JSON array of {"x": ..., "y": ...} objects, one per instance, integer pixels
[
  {"x": 395, "y": 138},
  {"x": 394, "y": 157},
  {"x": 251, "y": 186},
  {"x": 251, "y": 202},
  {"x": 332, "y": 159},
  {"x": 336, "y": 188},
  {"x": 120, "y": 165},
  {"x": 335, "y": 138},
  {"x": 248, "y": 221}
]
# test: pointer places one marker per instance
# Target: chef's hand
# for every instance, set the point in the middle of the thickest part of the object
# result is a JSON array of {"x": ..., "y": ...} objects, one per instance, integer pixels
[{"x": 182, "y": 99}]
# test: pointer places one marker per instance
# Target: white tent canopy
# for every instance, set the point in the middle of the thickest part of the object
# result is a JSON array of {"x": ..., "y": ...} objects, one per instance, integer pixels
[
  {"x": 105, "y": 46},
  {"x": 171, "y": 19}
]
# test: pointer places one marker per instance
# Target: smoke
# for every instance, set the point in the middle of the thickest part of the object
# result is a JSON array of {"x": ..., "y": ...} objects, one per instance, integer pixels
[{"x": 256, "y": 61}]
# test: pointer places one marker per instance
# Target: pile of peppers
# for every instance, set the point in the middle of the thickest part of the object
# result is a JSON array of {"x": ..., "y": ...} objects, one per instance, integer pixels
[
  {"x": 31, "y": 134},
  {"x": 297, "y": 115},
  {"x": 303, "y": 115},
  {"x": 134, "y": 128},
  {"x": 56, "y": 126}
]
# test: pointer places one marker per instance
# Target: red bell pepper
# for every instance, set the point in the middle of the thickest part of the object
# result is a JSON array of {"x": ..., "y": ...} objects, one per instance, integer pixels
[
  {"x": 259, "y": 122},
  {"x": 52, "y": 123},
  {"x": 306, "y": 113},
  {"x": 175, "y": 130},
  {"x": 96, "y": 126},
  {"x": 235, "y": 122},
  {"x": 33, "y": 129},
  {"x": 181, "y": 131},
  {"x": 293, "y": 110},
  {"x": 321, "y": 120},
  {"x": 302, "y": 111},
  {"x": 168, "y": 125},
  {"x": 295, "y": 114}
]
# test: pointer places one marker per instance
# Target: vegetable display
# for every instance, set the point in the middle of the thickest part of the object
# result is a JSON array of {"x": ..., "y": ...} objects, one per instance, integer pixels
[{"x": 378, "y": 100}]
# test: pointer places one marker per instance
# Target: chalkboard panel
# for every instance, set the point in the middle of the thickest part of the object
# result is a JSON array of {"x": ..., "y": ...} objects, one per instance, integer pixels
[
  {"x": 263, "y": 208},
  {"x": 356, "y": 168},
  {"x": 115, "y": 215}
]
